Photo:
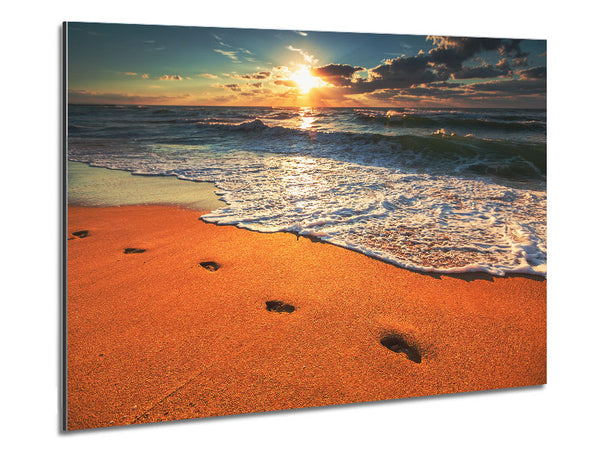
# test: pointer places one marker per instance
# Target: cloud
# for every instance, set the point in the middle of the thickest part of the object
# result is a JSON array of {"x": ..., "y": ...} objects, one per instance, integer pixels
[
  {"x": 434, "y": 92},
  {"x": 484, "y": 71},
  {"x": 511, "y": 87},
  {"x": 509, "y": 92},
  {"x": 454, "y": 51},
  {"x": 402, "y": 72},
  {"x": 231, "y": 54},
  {"x": 253, "y": 76},
  {"x": 301, "y": 33},
  {"x": 519, "y": 61},
  {"x": 170, "y": 78},
  {"x": 220, "y": 40},
  {"x": 384, "y": 94},
  {"x": 131, "y": 74},
  {"x": 233, "y": 87},
  {"x": 512, "y": 47},
  {"x": 307, "y": 57},
  {"x": 145, "y": 76},
  {"x": 534, "y": 73},
  {"x": 287, "y": 83},
  {"x": 208, "y": 75},
  {"x": 506, "y": 93},
  {"x": 333, "y": 72}
]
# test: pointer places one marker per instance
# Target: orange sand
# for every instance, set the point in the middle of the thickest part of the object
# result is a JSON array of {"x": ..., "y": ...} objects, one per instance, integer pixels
[{"x": 153, "y": 336}]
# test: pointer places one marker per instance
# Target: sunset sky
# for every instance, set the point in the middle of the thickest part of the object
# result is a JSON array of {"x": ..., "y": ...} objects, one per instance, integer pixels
[{"x": 141, "y": 64}]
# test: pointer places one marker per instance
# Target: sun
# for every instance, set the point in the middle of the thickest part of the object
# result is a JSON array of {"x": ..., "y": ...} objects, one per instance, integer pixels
[{"x": 305, "y": 80}]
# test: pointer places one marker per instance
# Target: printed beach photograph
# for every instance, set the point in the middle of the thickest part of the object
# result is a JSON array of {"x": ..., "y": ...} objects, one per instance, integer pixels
[{"x": 263, "y": 220}]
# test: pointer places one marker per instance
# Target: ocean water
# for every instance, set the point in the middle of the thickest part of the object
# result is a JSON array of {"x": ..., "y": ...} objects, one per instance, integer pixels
[{"x": 435, "y": 190}]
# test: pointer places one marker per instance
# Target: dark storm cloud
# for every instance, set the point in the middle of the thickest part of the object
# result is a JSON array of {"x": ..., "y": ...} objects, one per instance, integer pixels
[
  {"x": 503, "y": 65},
  {"x": 512, "y": 47},
  {"x": 519, "y": 61},
  {"x": 446, "y": 84},
  {"x": 445, "y": 61},
  {"x": 452, "y": 51},
  {"x": 398, "y": 73},
  {"x": 404, "y": 71},
  {"x": 336, "y": 70},
  {"x": 480, "y": 72}
]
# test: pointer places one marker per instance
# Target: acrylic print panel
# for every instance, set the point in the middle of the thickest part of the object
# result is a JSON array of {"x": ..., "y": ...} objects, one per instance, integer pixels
[{"x": 261, "y": 220}]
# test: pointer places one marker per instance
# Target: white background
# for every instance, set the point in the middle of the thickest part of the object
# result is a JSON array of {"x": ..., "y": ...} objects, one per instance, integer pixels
[{"x": 562, "y": 413}]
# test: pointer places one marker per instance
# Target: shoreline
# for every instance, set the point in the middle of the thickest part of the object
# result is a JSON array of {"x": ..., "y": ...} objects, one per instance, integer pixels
[
  {"x": 201, "y": 196},
  {"x": 467, "y": 275},
  {"x": 153, "y": 336}
]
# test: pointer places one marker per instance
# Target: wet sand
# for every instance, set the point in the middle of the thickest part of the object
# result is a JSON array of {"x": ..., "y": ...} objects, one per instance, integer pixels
[
  {"x": 97, "y": 186},
  {"x": 153, "y": 335}
]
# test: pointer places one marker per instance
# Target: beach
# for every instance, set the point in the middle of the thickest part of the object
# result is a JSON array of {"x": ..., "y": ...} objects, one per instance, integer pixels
[{"x": 154, "y": 335}]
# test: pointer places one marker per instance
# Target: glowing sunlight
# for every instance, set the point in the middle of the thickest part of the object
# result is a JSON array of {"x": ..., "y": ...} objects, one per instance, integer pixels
[{"x": 305, "y": 80}]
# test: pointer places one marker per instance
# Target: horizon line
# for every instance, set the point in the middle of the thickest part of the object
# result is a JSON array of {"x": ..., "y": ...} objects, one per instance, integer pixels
[{"x": 299, "y": 107}]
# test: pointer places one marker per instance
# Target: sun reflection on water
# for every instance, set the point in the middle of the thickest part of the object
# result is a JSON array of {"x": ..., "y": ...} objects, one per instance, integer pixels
[
  {"x": 307, "y": 119},
  {"x": 302, "y": 181}
]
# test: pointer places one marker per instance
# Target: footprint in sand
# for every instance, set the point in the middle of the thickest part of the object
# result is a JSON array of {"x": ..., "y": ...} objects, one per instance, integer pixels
[
  {"x": 81, "y": 234},
  {"x": 279, "y": 307},
  {"x": 211, "y": 266},
  {"x": 397, "y": 344},
  {"x": 129, "y": 250}
]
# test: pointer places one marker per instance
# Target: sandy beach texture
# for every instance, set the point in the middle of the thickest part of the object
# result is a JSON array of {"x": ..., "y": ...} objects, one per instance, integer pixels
[{"x": 155, "y": 335}]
